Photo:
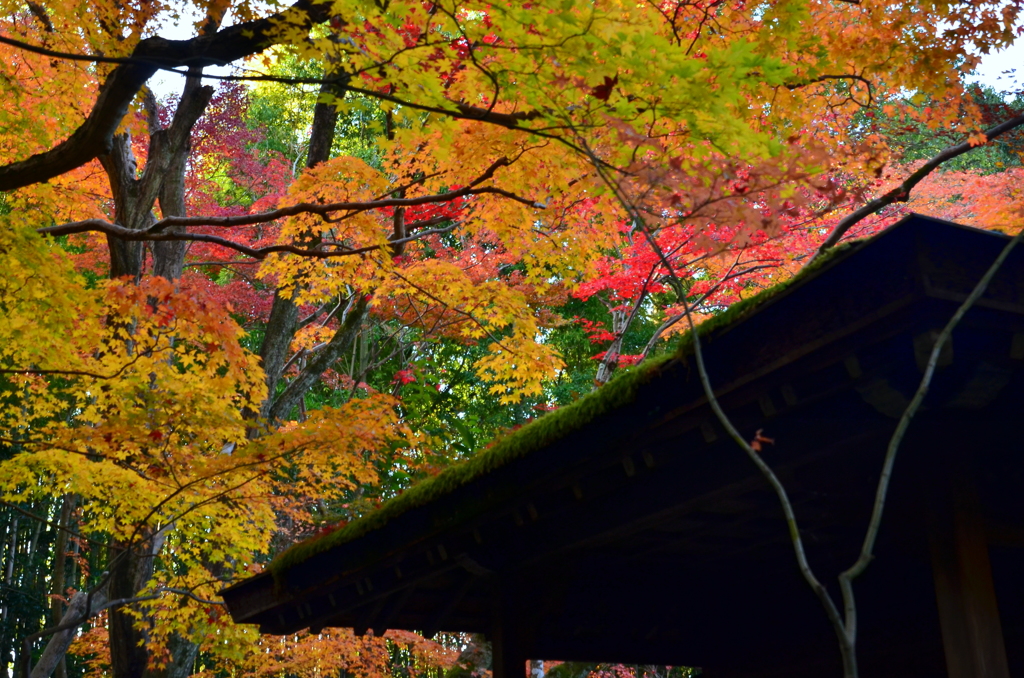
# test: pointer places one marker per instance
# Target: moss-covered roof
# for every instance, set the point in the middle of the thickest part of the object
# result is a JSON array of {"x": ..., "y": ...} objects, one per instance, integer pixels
[{"x": 619, "y": 392}]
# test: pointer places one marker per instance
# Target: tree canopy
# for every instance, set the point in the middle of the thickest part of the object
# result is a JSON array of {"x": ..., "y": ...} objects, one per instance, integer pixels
[{"x": 251, "y": 311}]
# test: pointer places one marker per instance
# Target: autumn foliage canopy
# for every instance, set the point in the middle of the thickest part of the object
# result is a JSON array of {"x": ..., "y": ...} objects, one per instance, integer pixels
[{"x": 251, "y": 310}]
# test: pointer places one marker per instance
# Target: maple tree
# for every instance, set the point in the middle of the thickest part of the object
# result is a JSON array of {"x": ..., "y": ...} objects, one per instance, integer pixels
[{"x": 472, "y": 173}]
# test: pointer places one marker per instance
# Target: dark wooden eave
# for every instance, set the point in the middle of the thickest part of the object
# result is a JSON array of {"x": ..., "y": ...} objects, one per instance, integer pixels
[{"x": 648, "y": 537}]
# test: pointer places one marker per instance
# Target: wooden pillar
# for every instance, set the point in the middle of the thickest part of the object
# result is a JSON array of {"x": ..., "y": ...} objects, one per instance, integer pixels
[
  {"x": 507, "y": 649},
  {"x": 972, "y": 634}
]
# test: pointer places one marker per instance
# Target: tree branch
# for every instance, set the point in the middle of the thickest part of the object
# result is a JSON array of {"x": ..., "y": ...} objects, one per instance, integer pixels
[
  {"x": 881, "y": 492},
  {"x": 82, "y": 607},
  {"x": 902, "y": 192},
  {"x": 94, "y": 136},
  {"x": 339, "y": 344},
  {"x": 77, "y": 614},
  {"x": 156, "y": 231},
  {"x": 832, "y": 612},
  {"x": 259, "y": 253}
]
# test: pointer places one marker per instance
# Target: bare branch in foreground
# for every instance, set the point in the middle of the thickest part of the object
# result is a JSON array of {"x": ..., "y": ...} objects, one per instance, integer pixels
[
  {"x": 902, "y": 192},
  {"x": 846, "y": 644},
  {"x": 866, "y": 553},
  {"x": 846, "y": 626}
]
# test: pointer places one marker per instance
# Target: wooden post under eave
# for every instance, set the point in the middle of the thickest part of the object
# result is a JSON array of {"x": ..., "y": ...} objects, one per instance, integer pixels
[
  {"x": 972, "y": 634},
  {"x": 507, "y": 654}
]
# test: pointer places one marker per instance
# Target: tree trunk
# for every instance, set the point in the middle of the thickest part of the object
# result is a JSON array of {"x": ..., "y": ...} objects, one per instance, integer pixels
[
  {"x": 60, "y": 549},
  {"x": 59, "y": 643},
  {"x": 126, "y": 256},
  {"x": 163, "y": 178},
  {"x": 183, "y": 653},
  {"x": 620, "y": 323},
  {"x": 339, "y": 344},
  {"x": 12, "y": 552},
  {"x": 169, "y": 256},
  {"x": 284, "y": 314},
  {"x": 130, "y": 569}
]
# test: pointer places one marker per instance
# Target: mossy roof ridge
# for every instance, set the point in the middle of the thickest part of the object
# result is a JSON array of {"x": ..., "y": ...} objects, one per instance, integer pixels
[
  {"x": 743, "y": 308},
  {"x": 536, "y": 435},
  {"x": 512, "y": 445}
]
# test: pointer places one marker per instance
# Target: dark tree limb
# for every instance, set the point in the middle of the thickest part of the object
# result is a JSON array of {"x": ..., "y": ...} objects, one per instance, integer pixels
[
  {"x": 284, "y": 312},
  {"x": 95, "y": 136},
  {"x": 114, "y": 232},
  {"x": 155, "y": 231},
  {"x": 901, "y": 193},
  {"x": 340, "y": 343}
]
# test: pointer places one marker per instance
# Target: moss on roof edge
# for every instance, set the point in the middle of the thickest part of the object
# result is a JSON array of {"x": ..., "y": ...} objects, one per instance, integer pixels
[{"x": 619, "y": 392}]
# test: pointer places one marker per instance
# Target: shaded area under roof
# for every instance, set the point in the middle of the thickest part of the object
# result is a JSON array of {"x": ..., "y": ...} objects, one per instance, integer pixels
[{"x": 630, "y": 529}]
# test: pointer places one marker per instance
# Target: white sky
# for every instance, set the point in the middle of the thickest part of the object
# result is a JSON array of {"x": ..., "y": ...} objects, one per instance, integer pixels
[{"x": 992, "y": 70}]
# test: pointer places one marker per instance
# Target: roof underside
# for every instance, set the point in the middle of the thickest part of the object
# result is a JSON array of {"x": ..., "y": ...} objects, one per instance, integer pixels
[{"x": 647, "y": 536}]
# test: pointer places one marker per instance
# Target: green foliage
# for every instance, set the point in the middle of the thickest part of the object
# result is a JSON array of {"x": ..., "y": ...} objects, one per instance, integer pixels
[
  {"x": 912, "y": 140},
  {"x": 284, "y": 112}
]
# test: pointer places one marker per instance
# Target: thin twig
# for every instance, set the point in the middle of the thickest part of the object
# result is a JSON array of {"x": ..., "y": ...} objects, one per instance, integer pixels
[
  {"x": 846, "y": 646},
  {"x": 867, "y": 548}
]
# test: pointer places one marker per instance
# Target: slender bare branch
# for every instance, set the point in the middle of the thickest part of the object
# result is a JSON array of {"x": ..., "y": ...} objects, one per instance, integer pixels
[
  {"x": 846, "y": 646},
  {"x": 881, "y": 492}
]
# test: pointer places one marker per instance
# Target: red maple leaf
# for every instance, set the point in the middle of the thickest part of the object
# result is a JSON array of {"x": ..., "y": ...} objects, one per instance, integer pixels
[{"x": 604, "y": 90}]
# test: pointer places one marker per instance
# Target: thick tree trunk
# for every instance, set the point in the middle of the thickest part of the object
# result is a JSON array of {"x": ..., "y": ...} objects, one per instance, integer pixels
[
  {"x": 130, "y": 569},
  {"x": 181, "y": 661},
  {"x": 126, "y": 257},
  {"x": 325, "y": 121},
  {"x": 134, "y": 198},
  {"x": 169, "y": 256},
  {"x": 284, "y": 317},
  {"x": 163, "y": 178}
]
